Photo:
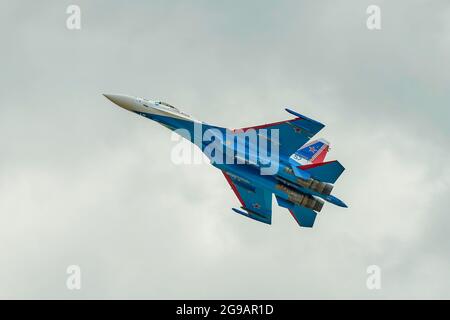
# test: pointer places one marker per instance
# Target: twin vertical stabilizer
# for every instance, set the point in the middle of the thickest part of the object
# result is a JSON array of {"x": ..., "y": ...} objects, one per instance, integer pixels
[{"x": 312, "y": 152}]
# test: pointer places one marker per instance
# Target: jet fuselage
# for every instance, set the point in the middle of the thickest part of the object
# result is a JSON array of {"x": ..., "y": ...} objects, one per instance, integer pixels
[{"x": 240, "y": 159}]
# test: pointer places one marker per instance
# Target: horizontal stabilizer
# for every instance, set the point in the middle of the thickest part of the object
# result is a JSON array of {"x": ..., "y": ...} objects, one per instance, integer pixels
[
  {"x": 324, "y": 171},
  {"x": 297, "y": 172},
  {"x": 305, "y": 217},
  {"x": 284, "y": 203}
]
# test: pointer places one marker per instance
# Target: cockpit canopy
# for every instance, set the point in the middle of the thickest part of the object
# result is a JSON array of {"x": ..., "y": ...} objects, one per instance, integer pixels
[
  {"x": 166, "y": 105},
  {"x": 163, "y": 104}
]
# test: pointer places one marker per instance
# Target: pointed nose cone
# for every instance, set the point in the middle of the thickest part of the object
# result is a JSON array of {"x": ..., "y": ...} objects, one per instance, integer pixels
[{"x": 124, "y": 101}]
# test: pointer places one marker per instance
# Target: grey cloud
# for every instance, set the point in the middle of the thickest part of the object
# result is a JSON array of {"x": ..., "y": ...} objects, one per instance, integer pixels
[{"x": 83, "y": 182}]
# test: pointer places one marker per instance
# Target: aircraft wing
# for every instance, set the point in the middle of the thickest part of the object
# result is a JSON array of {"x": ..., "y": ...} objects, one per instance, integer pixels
[
  {"x": 257, "y": 202},
  {"x": 293, "y": 133}
]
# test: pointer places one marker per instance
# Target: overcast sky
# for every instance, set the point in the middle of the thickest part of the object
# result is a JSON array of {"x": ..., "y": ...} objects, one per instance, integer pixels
[{"x": 83, "y": 182}]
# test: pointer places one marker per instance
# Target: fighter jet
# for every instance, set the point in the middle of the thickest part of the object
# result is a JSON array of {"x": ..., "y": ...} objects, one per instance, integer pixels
[{"x": 275, "y": 158}]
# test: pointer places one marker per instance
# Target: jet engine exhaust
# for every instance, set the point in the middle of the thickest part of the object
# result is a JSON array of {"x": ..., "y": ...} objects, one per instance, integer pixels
[
  {"x": 321, "y": 187},
  {"x": 300, "y": 198}
]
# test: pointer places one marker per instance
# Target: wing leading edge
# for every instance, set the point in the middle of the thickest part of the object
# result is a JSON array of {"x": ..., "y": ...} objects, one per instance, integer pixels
[{"x": 293, "y": 133}]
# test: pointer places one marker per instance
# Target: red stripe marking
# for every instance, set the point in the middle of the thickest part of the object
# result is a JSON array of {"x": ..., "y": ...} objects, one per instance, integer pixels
[
  {"x": 313, "y": 165},
  {"x": 262, "y": 126},
  {"x": 293, "y": 216},
  {"x": 236, "y": 192},
  {"x": 320, "y": 156}
]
